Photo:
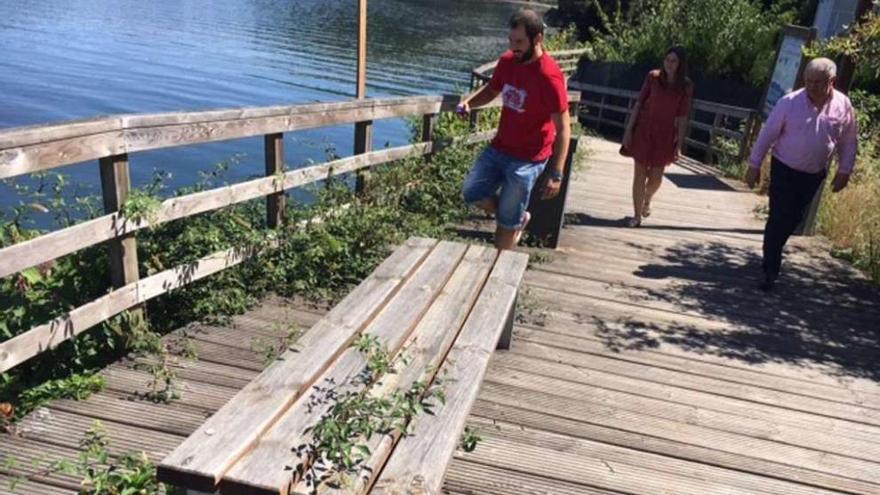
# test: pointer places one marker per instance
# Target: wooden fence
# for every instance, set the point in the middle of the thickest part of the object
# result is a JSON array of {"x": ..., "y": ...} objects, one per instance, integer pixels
[
  {"x": 707, "y": 122},
  {"x": 111, "y": 141}
]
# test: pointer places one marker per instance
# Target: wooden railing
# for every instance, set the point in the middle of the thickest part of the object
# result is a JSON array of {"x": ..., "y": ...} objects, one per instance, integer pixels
[
  {"x": 111, "y": 140},
  {"x": 610, "y": 106},
  {"x": 567, "y": 60}
]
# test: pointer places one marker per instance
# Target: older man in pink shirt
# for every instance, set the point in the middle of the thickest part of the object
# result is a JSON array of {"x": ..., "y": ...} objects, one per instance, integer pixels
[{"x": 805, "y": 129}]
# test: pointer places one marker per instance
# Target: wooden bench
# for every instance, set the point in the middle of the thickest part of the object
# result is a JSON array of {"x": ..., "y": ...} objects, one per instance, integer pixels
[{"x": 439, "y": 309}]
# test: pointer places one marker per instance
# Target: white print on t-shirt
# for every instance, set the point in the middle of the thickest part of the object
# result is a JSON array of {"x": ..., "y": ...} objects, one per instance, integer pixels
[{"x": 514, "y": 98}]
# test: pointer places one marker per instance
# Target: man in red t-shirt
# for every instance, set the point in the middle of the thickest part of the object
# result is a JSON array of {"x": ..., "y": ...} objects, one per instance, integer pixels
[{"x": 534, "y": 125}]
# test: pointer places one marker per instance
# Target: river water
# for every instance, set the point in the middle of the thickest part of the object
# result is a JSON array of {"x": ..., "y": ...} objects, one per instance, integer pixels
[{"x": 72, "y": 59}]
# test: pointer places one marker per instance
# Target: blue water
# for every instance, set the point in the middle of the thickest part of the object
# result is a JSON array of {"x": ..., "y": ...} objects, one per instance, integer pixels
[{"x": 71, "y": 59}]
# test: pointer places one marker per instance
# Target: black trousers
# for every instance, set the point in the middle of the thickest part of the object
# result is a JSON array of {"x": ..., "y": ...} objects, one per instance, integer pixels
[{"x": 791, "y": 192}]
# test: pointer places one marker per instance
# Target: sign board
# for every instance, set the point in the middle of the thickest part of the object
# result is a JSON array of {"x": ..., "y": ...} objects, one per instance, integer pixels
[
  {"x": 789, "y": 64},
  {"x": 834, "y": 16}
]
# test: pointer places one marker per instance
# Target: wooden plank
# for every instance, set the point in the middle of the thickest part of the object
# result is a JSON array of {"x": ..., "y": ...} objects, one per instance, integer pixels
[
  {"x": 420, "y": 460},
  {"x": 780, "y": 430},
  {"x": 207, "y": 454},
  {"x": 261, "y": 470},
  {"x": 692, "y": 423},
  {"x": 67, "y": 430},
  {"x": 145, "y": 414},
  {"x": 469, "y": 477},
  {"x": 573, "y": 336},
  {"x": 616, "y": 287},
  {"x": 641, "y": 326},
  {"x": 672, "y": 442},
  {"x": 59, "y": 243},
  {"x": 611, "y": 467},
  {"x": 430, "y": 344},
  {"x": 24, "y": 458},
  {"x": 135, "y": 384}
]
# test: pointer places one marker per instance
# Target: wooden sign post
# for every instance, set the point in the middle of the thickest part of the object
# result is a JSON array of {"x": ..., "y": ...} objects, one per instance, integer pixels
[{"x": 363, "y": 131}]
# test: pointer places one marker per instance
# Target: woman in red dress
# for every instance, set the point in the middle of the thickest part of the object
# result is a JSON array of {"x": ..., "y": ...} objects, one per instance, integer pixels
[{"x": 655, "y": 131}]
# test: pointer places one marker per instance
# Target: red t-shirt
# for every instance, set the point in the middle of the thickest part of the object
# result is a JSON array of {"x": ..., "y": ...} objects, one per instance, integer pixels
[{"x": 530, "y": 94}]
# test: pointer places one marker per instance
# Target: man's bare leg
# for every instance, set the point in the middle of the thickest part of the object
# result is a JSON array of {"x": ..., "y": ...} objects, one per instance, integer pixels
[
  {"x": 489, "y": 205},
  {"x": 504, "y": 238}
]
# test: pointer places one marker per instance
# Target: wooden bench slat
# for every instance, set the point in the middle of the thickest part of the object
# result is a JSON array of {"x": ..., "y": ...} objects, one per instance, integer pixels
[
  {"x": 418, "y": 460},
  {"x": 430, "y": 344},
  {"x": 201, "y": 460},
  {"x": 261, "y": 471}
]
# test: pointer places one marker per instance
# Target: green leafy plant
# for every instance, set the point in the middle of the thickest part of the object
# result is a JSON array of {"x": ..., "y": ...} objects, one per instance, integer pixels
[
  {"x": 132, "y": 474},
  {"x": 338, "y": 447},
  {"x": 140, "y": 206},
  {"x": 76, "y": 387},
  {"x": 469, "y": 439},
  {"x": 272, "y": 348},
  {"x": 726, "y": 38}
]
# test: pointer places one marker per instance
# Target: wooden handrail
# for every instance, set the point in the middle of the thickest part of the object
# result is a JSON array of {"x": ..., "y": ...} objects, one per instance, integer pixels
[
  {"x": 33, "y": 149},
  {"x": 719, "y": 111}
]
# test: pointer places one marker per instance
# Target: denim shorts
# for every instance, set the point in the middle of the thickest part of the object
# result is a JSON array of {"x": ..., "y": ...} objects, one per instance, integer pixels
[{"x": 509, "y": 179}]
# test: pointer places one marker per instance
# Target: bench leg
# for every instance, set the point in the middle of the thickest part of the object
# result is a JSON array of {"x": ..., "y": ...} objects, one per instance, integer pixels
[{"x": 507, "y": 335}]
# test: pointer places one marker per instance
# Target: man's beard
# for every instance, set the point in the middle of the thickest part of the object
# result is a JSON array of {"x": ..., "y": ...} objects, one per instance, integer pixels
[{"x": 527, "y": 55}]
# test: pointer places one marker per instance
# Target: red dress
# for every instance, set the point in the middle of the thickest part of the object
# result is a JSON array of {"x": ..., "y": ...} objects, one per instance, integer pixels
[{"x": 654, "y": 137}]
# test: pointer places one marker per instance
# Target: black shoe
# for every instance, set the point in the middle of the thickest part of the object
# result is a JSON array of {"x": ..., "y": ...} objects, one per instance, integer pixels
[{"x": 767, "y": 284}]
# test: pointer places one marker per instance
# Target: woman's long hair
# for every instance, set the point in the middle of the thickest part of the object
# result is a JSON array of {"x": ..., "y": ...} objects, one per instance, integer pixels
[{"x": 681, "y": 75}]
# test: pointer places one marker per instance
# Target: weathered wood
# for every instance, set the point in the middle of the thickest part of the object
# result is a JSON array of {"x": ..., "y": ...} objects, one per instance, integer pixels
[
  {"x": 425, "y": 353},
  {"x": 207, "y": 454},
  {"x": 361, "y": 91},
  {"x": 59, "y": 243},
  {"x": 613, "y": 468},
  {"x": 468, "y": 478},
  {"x": 261, "y": 470},
  {"x": 842, "y": 441},
  {"x": 274, "y": 150},
  {"x": 634, "y": 432},
  {"x": 419, "y": 460},
  {"x": 363, "y": 131},
  {"x": 582, "y": 338},
  {"x": 116, "y": 185},
  {"x": 363, "y": 143},
  {"x": 41, "y": 338},
  {"x": 32, "y": 149},
  {"x": 691, "y": 423}
]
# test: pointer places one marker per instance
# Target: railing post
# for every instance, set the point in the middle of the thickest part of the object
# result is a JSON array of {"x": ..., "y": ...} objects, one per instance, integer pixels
[
  {"x": 428, "y": 123},
  {"x": 710, "y": 153},
  {"x": 274, "y": 146},
  {"x": 363, "y": 131},
  {"x": 474, "y": 119},
  {"x": 601, "y": 110},
  {"x": 115, "y": 188},
  {"x": 746, "y": 138},
  {"x": 363, "y": 143}
]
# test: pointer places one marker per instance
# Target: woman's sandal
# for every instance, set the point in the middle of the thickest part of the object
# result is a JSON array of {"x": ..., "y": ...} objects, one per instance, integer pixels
[{"x": 633, "y": 222}]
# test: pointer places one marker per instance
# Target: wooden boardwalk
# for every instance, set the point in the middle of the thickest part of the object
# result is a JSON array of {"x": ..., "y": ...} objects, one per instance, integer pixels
[{"x": 645, "y": 362}]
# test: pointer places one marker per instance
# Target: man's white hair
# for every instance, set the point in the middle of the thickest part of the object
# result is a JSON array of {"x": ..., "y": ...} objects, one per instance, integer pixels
[{"x": 822, "y": 65}]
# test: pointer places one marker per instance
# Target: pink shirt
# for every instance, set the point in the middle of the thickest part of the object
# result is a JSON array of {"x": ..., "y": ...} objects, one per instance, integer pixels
[{"x": 804, "y": 138}]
